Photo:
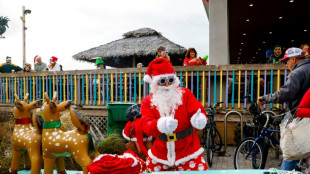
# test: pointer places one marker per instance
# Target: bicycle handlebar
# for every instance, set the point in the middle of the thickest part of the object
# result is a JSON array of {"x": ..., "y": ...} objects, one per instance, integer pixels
[
  {"x": 211, "y": 109},
  {"x": 217, "y": 104}
]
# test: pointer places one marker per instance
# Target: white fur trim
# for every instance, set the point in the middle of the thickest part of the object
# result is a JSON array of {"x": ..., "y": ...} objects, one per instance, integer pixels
[
  {"x": 159, "y": 160},
  {"x": 129, "y": 155},
  {"x": 178, "y": 162},
  {"x": 156, "y": 78},
  {"x": 135, "y": 139},
  {"x": 147, "y": 78},
  {"x": 128, "y": 138},
  {"x": 189, "y": 157},
  {"x": 171, "y": 152},
  {"x": 161, "y": 125}
]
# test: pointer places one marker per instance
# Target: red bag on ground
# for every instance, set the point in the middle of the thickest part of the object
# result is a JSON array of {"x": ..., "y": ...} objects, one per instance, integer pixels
[
  {"x": 303, "y": 109},
  {"x": 128, "y": 162}
]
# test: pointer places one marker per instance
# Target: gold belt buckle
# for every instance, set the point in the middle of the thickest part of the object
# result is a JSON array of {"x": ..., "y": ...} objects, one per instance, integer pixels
[{"x": 171, "y": 137}]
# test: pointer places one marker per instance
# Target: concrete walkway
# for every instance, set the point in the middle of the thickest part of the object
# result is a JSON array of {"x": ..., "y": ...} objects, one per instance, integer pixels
[{"x": 227, "y": 161}]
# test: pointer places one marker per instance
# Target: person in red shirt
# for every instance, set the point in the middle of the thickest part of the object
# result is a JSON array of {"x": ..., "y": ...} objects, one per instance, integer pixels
[{"x": 192, "y": 59}]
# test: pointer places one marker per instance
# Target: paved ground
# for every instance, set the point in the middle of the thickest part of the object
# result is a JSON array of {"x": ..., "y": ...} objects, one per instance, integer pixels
[{"x": 227, "y": 161}]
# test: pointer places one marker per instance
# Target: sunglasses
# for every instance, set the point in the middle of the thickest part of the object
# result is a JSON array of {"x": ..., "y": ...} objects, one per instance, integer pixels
[
  {"x": 288, "y": 60},
  {"x": 164, "y": 80}
]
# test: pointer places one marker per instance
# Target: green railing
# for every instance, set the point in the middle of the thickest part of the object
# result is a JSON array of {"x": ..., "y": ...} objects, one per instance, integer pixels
[{"x": 228, "y": 83}]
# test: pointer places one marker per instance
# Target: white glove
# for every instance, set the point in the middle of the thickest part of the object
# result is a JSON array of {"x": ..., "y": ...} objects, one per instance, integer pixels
[
  {"x": 171, "y": 124},
  {"x": 199, "y": 120},
  {"x": 167, "y": 124}
]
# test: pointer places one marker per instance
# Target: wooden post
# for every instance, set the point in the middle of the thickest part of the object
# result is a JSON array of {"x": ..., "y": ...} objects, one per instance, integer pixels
[
  {"x": 24, "y": 35},
  {"x": 134, "y": 61}
]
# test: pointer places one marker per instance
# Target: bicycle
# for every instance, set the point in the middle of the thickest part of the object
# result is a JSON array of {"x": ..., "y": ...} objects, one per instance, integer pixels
[
  {"x": 252, "y": 153},
  {"x": 275, "y": 124},
  {"x": 212, "y": 139}
]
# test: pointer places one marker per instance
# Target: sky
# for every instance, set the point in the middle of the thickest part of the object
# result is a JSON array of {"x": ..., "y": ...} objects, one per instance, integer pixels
[{"x": 63, "y": 28}]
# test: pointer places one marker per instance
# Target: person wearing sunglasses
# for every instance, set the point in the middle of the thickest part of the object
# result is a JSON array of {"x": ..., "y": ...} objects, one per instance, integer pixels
[
  {"x": 297, "y": 84},
  {"x": 171, "y": 114}
]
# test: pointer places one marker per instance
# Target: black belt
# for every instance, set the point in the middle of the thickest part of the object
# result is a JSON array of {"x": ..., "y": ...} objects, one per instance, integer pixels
[{"x": 176, "y": 136}]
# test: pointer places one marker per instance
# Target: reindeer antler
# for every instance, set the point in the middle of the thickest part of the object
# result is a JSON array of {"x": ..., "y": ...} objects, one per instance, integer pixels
[
  {"x": 17, "y": 98},
  {"x": 26, "y": 97},
  {"x": 47, "y": 98},
  {"x": 54, "y": 97}
]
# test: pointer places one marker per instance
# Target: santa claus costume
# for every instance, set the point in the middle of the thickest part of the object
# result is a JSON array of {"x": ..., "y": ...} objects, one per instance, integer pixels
[
  {"x": 171, "y": 114},
  {"x": 138, "y": 142}
]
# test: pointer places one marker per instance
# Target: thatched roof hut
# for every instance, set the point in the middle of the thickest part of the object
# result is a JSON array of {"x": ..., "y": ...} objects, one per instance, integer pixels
[{"x": 136, "y": 46}]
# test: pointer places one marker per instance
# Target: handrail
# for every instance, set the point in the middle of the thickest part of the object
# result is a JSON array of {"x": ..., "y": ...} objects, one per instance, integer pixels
[
  {"x": 98, "y": 87},
  {"x": 211, "y": 68}
]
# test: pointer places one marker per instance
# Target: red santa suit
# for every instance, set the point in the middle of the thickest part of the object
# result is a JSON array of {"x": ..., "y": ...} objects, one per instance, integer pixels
[
  {"x": 129, "y": 133},
  {"x": 181, "y": 150},
  {"x": 303, "y": 109},
  {"x": 133, "y": 132},
  {"x": 182, "y": 145}
]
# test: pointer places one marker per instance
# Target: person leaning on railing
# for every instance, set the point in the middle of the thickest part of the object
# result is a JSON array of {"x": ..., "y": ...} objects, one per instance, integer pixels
[
  {"x": 298, "y": 82},
  {"x": 39, "y": 66},
  {"x": 27, "y": 68},
  {"x": 192, "y": 59},
  {"x": 162, "y": 53},
  {"x": 305, "y": 48},
  {"x": 9, "y": 67},
  {"x": 54, "y": 66}
]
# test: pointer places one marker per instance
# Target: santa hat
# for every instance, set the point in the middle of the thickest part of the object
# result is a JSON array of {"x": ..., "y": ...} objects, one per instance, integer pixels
[
  {"x": 36, "y": 57},
  {"x": 128, "y": 162},
  {"x": 159, "y": 67},
  {"x": 54, "y": 59}
]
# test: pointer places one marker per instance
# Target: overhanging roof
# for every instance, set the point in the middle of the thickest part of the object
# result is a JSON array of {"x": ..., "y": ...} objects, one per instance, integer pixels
[{"x": 249, "y": 40}]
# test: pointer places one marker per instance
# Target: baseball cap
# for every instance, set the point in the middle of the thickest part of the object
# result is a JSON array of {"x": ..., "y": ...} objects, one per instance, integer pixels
[
  {"x": 269, "y": 53},
  {"x": 292, "y": 52}
]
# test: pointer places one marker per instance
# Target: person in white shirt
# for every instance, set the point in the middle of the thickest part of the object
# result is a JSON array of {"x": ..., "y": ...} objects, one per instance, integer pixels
[{"x": 53, "y": 66}]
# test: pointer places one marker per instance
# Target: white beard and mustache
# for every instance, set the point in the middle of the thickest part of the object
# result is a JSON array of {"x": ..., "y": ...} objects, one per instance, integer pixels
[{"x": 166, "y": 98}]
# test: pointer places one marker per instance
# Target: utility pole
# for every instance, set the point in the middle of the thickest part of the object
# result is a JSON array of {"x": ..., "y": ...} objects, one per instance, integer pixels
[{"x": 23, "y": 18}]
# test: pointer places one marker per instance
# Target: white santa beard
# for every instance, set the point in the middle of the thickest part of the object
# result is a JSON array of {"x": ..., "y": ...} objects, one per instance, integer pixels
[{"x": 166, "y": 98}]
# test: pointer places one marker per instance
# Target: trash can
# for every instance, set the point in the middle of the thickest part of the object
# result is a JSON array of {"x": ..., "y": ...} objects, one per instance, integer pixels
[{"x": 117, "y": 116}]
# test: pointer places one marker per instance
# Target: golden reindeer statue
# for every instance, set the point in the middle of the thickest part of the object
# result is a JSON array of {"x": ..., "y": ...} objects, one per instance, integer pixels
[
  {"x": 57, "y": 142},
  {"x": 26, "y": 139}
]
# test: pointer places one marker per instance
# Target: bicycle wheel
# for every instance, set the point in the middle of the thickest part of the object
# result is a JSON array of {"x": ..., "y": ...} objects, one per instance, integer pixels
[
  {"x": 272, "y": 143},
  {"x": 210, "y": 147},
  {"x": 265, "y": 147},
  {"x": 254, "y": 159},
  {"x": 217, "y": 140},
  {"x": 204, "y": 136}
]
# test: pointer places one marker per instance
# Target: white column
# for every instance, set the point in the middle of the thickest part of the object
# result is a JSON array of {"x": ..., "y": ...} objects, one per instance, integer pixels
[{"x": 218, "y": 28}]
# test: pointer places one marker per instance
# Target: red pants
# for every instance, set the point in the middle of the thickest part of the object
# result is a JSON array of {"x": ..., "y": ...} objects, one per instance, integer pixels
[{"x": 196, "y": 164}]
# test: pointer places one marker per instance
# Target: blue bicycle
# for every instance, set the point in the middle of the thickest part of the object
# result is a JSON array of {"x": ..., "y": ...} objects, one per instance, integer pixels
[{"x": 252, "y": 153}]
